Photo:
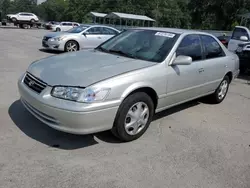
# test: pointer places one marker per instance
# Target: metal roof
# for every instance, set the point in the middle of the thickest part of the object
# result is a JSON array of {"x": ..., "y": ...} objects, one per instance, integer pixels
[
  {"x": 97, "y": 14},
  {"x": 128, "y": 16}
]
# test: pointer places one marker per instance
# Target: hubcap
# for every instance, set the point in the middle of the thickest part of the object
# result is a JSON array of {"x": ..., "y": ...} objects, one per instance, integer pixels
[
  {"x": 136, "y": 118},
  {"x": 222, "y": 89},
  {"x": 71, "y": 47}
]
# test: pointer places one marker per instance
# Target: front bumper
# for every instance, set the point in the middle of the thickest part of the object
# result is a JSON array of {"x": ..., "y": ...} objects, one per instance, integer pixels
[
  {"x": 78, "y": 118},
  {"x": 53, "y": 45}
]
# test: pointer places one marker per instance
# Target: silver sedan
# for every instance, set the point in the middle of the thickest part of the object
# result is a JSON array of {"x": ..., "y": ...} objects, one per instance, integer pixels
[
  {"x": 77, "y": 38},
  {"x": 123, "y": 82}
]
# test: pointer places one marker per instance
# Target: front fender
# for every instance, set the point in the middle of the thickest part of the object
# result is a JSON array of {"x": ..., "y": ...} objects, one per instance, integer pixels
[{"x": 136, "y": 86}]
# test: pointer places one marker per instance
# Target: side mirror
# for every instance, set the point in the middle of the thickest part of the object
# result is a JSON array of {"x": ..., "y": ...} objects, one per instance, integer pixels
[
  {"x": 182, "y": 60},
  {"x": 244, "y": 38}
]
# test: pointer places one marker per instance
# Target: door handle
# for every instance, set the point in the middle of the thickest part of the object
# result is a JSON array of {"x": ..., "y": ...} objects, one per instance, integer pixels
[
  {"x": 201, "y": 70},
  {"x": 99, "y": 37}
]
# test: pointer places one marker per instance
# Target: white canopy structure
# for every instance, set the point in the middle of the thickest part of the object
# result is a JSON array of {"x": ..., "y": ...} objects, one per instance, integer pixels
[{"x": 129, "y": 19}]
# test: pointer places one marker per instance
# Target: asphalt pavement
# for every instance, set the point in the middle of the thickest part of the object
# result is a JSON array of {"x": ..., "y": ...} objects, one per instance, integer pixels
[{"x": 193, "y": 145}]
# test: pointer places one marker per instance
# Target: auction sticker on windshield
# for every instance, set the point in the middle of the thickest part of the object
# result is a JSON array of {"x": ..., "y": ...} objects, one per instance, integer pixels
[{"x": 164, "y": 34}]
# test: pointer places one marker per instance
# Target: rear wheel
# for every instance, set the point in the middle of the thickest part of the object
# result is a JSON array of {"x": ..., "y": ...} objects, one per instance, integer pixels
[
  {"x": 71, "y": 46},
  {"x": 133, "y": 117},
  {"x": 32, "y": 20},
  {"x": 221, "y": 92}
]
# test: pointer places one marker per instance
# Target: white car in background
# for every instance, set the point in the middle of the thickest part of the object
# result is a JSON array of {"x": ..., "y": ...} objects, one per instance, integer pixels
[
  {"x": 64, "y": 26},
  {"x": 23, "y": 16},
  {"x": 241, "y": 35}
]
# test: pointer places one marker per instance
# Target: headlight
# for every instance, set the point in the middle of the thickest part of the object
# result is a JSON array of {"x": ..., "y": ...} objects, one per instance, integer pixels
[
  {"x": 77, "y": 94},
  {"x": 57, "y": 38}
]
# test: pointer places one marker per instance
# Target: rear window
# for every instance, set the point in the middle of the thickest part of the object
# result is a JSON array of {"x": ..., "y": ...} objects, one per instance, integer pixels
[{"x": 238, "y": 32}]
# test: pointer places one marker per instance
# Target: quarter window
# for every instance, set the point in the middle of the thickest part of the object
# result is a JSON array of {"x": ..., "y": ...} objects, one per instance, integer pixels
[
  {"x": 108, "y": 31},
  {"x": 190, "y": 46},
  {"x": 212, "y": 49}
]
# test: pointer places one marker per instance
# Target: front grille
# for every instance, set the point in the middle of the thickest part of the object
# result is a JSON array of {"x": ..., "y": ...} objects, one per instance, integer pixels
[
  {"x": 34, "y": 83},
  {"x": 46, "y": 38},
  {"x": 45, "y": 45}
]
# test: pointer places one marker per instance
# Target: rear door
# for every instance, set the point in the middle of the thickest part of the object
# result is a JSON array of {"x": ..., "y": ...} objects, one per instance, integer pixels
[
  {"x": 214, "y": 64},
  {"x": 107, "y": 33},
  {"x": 235, "y": 39}
]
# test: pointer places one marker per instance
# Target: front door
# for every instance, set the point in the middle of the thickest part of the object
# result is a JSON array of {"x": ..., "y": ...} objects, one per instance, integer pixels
[
  {"x": 184, "y": 81},
  {"x": 235, "y": 39}
]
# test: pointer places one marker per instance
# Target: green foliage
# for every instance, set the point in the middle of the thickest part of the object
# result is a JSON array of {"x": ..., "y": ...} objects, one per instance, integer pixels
[{"x": 197, "y": 14}]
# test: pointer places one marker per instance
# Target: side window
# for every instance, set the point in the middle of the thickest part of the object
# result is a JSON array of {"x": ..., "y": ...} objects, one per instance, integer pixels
[
  {"x": 75, "y": 24},
  {"x": 238, "y": 32},
  {"x": 211, "y": 47},
  {"x": 95, "y": 30},
  {"x": 108, "y": 31},
  {"x": 64, "y": 24},
  {"x": 190, "y": 46}
]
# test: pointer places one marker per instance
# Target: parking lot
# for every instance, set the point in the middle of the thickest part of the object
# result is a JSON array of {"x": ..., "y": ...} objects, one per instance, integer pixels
[{"x": 193, "y": 145}]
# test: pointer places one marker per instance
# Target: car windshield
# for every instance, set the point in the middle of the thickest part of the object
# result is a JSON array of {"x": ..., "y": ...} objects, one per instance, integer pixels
[
  {"x": 146, "y": 45},
  {"x": 77, "y": 29}
]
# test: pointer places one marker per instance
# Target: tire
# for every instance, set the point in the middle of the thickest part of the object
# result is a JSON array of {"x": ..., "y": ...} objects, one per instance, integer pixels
[
  {"x": 58, "y": 29},
  {"x": 221, "y": 92},
  {"x": 74, "y": 46},
  {"x": 135, "y": 103},
  {"x": 32, "y": 20},
  {"x": 14, "y": 20}
]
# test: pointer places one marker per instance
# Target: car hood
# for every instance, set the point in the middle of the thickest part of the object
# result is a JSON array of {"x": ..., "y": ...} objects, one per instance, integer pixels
[
  {"x": 58, "y": 34},
  {"x": 9, "y": 15},
  {"x": 83, "y": 68}
]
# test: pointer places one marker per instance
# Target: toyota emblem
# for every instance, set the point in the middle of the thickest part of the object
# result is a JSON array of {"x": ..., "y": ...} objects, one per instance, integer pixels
[{"x": 31, "y": 83}]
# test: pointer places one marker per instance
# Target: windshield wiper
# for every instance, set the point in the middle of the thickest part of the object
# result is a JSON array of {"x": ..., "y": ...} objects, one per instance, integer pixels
[{"x": 122, "y": 53}]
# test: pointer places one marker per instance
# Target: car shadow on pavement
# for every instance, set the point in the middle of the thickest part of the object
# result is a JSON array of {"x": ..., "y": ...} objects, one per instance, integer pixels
[
  {"x": 176, "y": 109},
  {"x": 50, "y": 51},
  {"x": 57, "y": 139},
  {"x": 44, "y": 134}
]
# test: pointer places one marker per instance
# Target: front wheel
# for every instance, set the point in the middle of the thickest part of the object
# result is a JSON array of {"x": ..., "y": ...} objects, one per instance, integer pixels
[
  {"x": 58, "y": 29},
  {"x": 133, "y": 117},
  {"x": 221, "y": 92},
  {"x": 14, "y": 20},
  {"x": 71, "y": 46}
]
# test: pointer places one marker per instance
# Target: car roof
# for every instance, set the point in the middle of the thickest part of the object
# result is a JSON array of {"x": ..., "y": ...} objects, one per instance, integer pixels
[
  {"x": 174, "y": 30},
  {"x": 242, "y": 27},
  {"x": 25, "y": 13}
]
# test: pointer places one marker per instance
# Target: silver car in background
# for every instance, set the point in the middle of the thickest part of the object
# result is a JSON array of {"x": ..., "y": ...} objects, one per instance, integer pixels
[
  {"x": 124, "y": 81},
  {"x": 77, "y": 38}
]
